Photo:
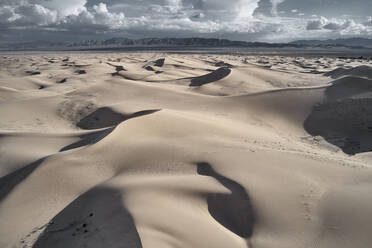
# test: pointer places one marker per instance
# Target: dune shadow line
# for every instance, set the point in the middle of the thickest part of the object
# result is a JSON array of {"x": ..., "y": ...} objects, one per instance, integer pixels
[
  {"x": 107, "y": 117},
  {"x": 10, "y": 181},
  {"x": 344, "y": 118},
  {"x": 88, "y": 139},
  {"x": 98, "y": 218},
  {"x": 102, "y": 118},
  {"x": 234, "y": 211},
  {"x": 214, "y": 76}
]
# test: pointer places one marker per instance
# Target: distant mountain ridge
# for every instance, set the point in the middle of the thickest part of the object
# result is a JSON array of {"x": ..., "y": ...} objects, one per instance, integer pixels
[
  {"x": 122, "y": 42},
  {"x": 350, "y": 42},
  {"x": 118, "y": 42},
  {"x": 199, "y": 42}
]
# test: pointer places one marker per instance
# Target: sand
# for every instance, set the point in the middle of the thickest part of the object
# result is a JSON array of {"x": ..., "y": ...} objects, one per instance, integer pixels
[{"x": 185, "y": 150}]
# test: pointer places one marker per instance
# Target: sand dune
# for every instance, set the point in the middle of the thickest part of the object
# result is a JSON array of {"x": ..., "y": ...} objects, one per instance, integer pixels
[
  {"x": 177, "y": 150},
  {"x": 359, "y": 71},
  {"x": 343, "y": 119}
]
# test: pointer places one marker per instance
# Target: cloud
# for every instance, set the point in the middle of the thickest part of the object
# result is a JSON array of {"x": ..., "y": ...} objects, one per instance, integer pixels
[
  {"x": 316, "y": 24},
  {"x": 63, "y": 7},
  {"x": 55, "y": 13},
  {"x": 97, "y": 19},
  {"x": 275, "y": 4},
  {"x": 268, "y": 7},
  {"x": 333, "y": 24},
  {"x": 213, "y": 10},
  {"x": 328, "y": 8},
  {"x": 27, "y": 15},
  {"x": 197, "y": 16},
  {"x": 265, "y": 20},
  {"x": 368, "y": 22},
  {"x": 7, "y": 14},
  {"x": 103, "y": 16},
  {"x": 339, "y": 27}
]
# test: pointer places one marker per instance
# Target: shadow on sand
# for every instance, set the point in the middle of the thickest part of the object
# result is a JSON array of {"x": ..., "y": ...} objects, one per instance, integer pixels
[
  {"x": 107, "y": 117},
  {"x": 234, "y": 211},
  {"x": 344, "y": 118},
  {"x": 97, "y": 218},
  {"x": 214, "y": 76}
]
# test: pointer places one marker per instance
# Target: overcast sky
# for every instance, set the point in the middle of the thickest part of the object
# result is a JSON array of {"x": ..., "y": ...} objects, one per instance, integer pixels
[{"x": 251, "y": 20}]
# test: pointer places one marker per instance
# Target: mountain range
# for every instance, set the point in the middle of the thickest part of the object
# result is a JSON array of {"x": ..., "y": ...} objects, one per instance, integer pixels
[
  {"x": 350, "y": 42},
  {"x": 121, "y": 42}
]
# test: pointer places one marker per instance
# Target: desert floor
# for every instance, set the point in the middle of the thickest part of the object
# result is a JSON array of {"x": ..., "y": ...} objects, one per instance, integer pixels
[{"x": 185, "y": 150}]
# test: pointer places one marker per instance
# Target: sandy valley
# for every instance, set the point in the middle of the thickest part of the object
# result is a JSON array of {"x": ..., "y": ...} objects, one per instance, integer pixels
[{"x": 185, "y": 150}]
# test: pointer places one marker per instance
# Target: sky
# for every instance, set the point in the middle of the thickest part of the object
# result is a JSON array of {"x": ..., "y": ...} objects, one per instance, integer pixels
[{"x": 249, "y": 20}]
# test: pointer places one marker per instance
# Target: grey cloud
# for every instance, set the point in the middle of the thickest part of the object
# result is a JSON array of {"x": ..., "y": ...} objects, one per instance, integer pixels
[
  {"x": 63, "y": 7},
  {"x": 34, "y": 15},
  {"x": 275, "y": 4},
  {"x": 6, "y": 14},
  {"x": 339, "y": 27},
  {"x": 244, "y": 19},
  {"x": 264, "y": 8},
  {"x": 26, "y": 15},
  {"x": 316, "y": 24},
  {"x": 217, "y": 10},
  {"x": 98, "y": 19},
  {"x": 334, "y": 8},
  {"x": 11, "y": 2},
  {"x": 334, "y": 26},
  {"x": 368, "y": 22},
  {"x": 268, "y": 7}
]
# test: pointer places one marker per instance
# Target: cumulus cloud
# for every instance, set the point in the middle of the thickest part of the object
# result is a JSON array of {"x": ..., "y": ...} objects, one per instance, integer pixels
[
  {"x": 63, "y": 7},
  {"x": 103, "y": 16},
  {"x": 328, "y": 8},
  {"x": 26, "y": 15},
  {"x": 65, "y": 14},
  {"x": 268, "y": 8},
  {"x": 7, "y": 14},
  {"x": 214, "y": 10},
  {"x": 338, "y": 27},
  {"x": 34, "y": 15},
  {"x": 97, "y": 19},
  {"x": 176, "y": 14},
  {"x": 268, "y": 20},
  {"x": 317, "y": 24},
  {"x": 334, "y": 24}
]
